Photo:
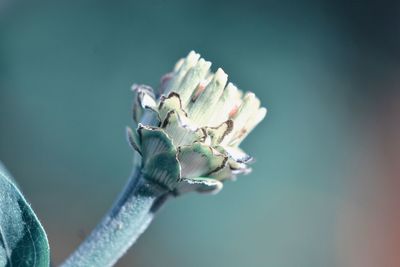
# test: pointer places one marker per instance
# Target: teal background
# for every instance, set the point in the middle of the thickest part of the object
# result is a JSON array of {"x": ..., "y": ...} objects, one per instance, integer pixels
[{"x": 321, "y": 68}]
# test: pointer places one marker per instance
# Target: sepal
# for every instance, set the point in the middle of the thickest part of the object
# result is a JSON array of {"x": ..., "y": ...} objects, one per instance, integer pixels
[
  {"x": 133, "y": 139},
  {"x": 163, "y": 169}
]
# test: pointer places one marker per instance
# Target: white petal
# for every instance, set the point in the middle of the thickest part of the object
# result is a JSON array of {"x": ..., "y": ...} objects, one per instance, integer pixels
[
  {"x": 189, "y": 62},
  {"x": 248, "y": 107},
  {"x": 228, "y": 103},
  {"x": 255, "y": 119},
  {"x": 192, "y": 79},
  {"x": 202, "y": 106}
]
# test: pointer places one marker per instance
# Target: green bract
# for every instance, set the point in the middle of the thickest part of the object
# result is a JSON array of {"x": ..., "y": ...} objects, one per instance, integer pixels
[{"x": 190, "y": 130}]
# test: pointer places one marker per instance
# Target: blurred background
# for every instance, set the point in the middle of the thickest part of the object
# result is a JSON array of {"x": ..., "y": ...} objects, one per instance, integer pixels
[{"x": 325, "y": 190}]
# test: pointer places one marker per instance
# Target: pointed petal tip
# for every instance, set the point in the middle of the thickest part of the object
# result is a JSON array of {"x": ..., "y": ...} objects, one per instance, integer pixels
[
  {"x": 192, "y": 57},
  {"x": 230, "y": 86},
  {"x": 207, "y": 64},
  {"x": 250, "y": 94},
  {"x": 201, "y": 61},
  {"x": 191, "y": 53},
  {"x": 233, "y": 91},
  {"x": 221, "y": 76},
  {"x": 203, "y": 65},
  {"x": 262, "y": 112}
]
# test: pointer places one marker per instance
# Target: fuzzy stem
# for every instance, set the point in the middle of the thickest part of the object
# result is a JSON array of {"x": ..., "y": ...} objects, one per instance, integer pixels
[{"x": 125, "y": 222}]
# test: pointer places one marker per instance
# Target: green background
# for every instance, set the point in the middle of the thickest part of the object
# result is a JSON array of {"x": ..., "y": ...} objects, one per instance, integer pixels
[{"x": 66, "y": 68}]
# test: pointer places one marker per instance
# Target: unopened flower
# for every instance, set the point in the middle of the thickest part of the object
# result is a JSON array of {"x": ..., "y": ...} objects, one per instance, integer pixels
[{"x": 189, "y": 131}]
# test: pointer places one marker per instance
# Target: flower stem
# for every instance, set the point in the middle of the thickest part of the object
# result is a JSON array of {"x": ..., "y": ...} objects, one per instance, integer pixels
[{"x": 120, "y": 228}]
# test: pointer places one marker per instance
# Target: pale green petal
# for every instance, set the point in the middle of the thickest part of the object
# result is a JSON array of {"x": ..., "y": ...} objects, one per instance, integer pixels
[
  {"x": 200, "y": 185},
  {"x": 217, "y": 134},
  {"x": 200, "y": 160},
  {"x": 223, "y": 174},
  {"x": 230, "y": 171},
  {"x": 249, "y": 106},
  {"x": 192, "y": 80},
  {"x": 237, "y": 154},
  {"x": 180, "y": 133},
  {"x": 252, "y": 122},
  {"x": 169, "y": 103},
  {"x": 203, "y": 104},
  {"x": 227, "y": 104},
  {"x": 236, "y": 164}
]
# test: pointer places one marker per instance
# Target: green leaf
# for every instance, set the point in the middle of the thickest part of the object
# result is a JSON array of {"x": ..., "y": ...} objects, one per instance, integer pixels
[{"x": 23, "y": 241}]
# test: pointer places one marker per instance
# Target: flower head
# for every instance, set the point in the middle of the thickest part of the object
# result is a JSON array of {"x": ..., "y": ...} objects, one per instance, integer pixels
[{"x": 189, "y": 131}]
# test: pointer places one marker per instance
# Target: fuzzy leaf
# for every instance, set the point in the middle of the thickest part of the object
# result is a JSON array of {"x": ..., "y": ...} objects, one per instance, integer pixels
[{"x": 23, "y": 241}]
